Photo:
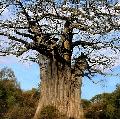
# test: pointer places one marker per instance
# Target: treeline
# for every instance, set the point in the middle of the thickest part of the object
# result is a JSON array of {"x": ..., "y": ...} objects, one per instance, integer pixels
[
  {"x": 103, "y": 106},
  {"x": 18, "y": 104}
]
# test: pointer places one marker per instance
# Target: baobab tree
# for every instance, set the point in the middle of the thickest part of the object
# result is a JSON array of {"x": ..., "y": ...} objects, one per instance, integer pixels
[{"x": 71, "y": 39}]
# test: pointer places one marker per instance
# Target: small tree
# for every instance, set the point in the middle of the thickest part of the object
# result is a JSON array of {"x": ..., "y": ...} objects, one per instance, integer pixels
[
  {"x": 15, "y": 103},
  {"x": 71, "y": 40},
  {"x": 9, "y": 90}
]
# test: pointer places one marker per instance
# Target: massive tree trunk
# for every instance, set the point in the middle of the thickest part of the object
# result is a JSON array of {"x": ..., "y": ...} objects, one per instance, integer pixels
[
  {"x": 59, "y": 88},
  {"x": 61, "y": 84}
]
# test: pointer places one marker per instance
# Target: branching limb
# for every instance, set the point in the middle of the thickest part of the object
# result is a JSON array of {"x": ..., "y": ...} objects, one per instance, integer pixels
[
  {"x": 9, "y": 24},
  {"x": 24, "y": 11},
  {"x": 7, "y": 52},
  {"x": 14, "y": 38},
  {"x": 54, "y": 16},
  {"x": 25, "y": 34},
  {"x": 20, "y": 52},
  {"x": 85, "y": 43}
]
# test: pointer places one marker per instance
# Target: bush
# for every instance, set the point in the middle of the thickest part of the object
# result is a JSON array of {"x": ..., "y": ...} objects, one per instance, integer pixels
[
  {"x": 18, "y": 112},
  {"x": 50, "y": 112}
]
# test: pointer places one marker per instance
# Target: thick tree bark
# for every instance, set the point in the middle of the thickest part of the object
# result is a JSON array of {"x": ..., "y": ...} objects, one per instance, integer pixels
[{"x": 61, "y": 89}]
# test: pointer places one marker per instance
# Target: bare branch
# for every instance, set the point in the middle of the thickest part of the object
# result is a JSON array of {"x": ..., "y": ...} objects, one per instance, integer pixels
[
  {"x": 24, "y": 11},
  {"x": 44, "y": 22},
  {"x": 85, "y": 43},
  {"x": 14, "y": 38},
  {"x": 44, "y": 15},
  {"x": 25, "y": 34},
  {"x": 9, "y": 24}
]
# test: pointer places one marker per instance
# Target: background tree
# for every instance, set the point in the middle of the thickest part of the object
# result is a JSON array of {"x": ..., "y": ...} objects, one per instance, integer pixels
[
  {"x": 15, "y": 103},
  {"x": 103, "y": 106},
  {"x": 9, "y": 90},
  {"x": 72, "y": 38}
]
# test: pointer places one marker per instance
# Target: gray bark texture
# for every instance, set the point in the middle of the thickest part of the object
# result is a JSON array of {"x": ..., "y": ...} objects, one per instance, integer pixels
[{"x": 61, "y": 89}]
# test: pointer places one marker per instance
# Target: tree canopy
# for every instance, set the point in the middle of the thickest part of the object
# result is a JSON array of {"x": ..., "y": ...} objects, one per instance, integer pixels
[{"x": 67, "y": 31}]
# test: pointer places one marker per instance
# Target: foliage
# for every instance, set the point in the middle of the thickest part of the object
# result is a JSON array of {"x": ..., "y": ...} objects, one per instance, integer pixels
[
  {"x": 15, "y": 103},
  {"x": 9, "y": 90},
  {"x": 104, "y": 106},
  {"x": 85, "y": 103},
  {"x": 19, "y": 112},
  {"x": 50, "y": 112},
  {"x": 18, "y": 104}
]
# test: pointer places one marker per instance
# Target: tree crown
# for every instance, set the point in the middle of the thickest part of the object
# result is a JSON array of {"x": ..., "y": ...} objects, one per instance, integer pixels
[{"x": 70, "y": 31}]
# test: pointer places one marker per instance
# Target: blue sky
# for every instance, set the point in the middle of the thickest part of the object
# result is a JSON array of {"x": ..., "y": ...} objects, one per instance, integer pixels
[{"x": 27, "y": 74}]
